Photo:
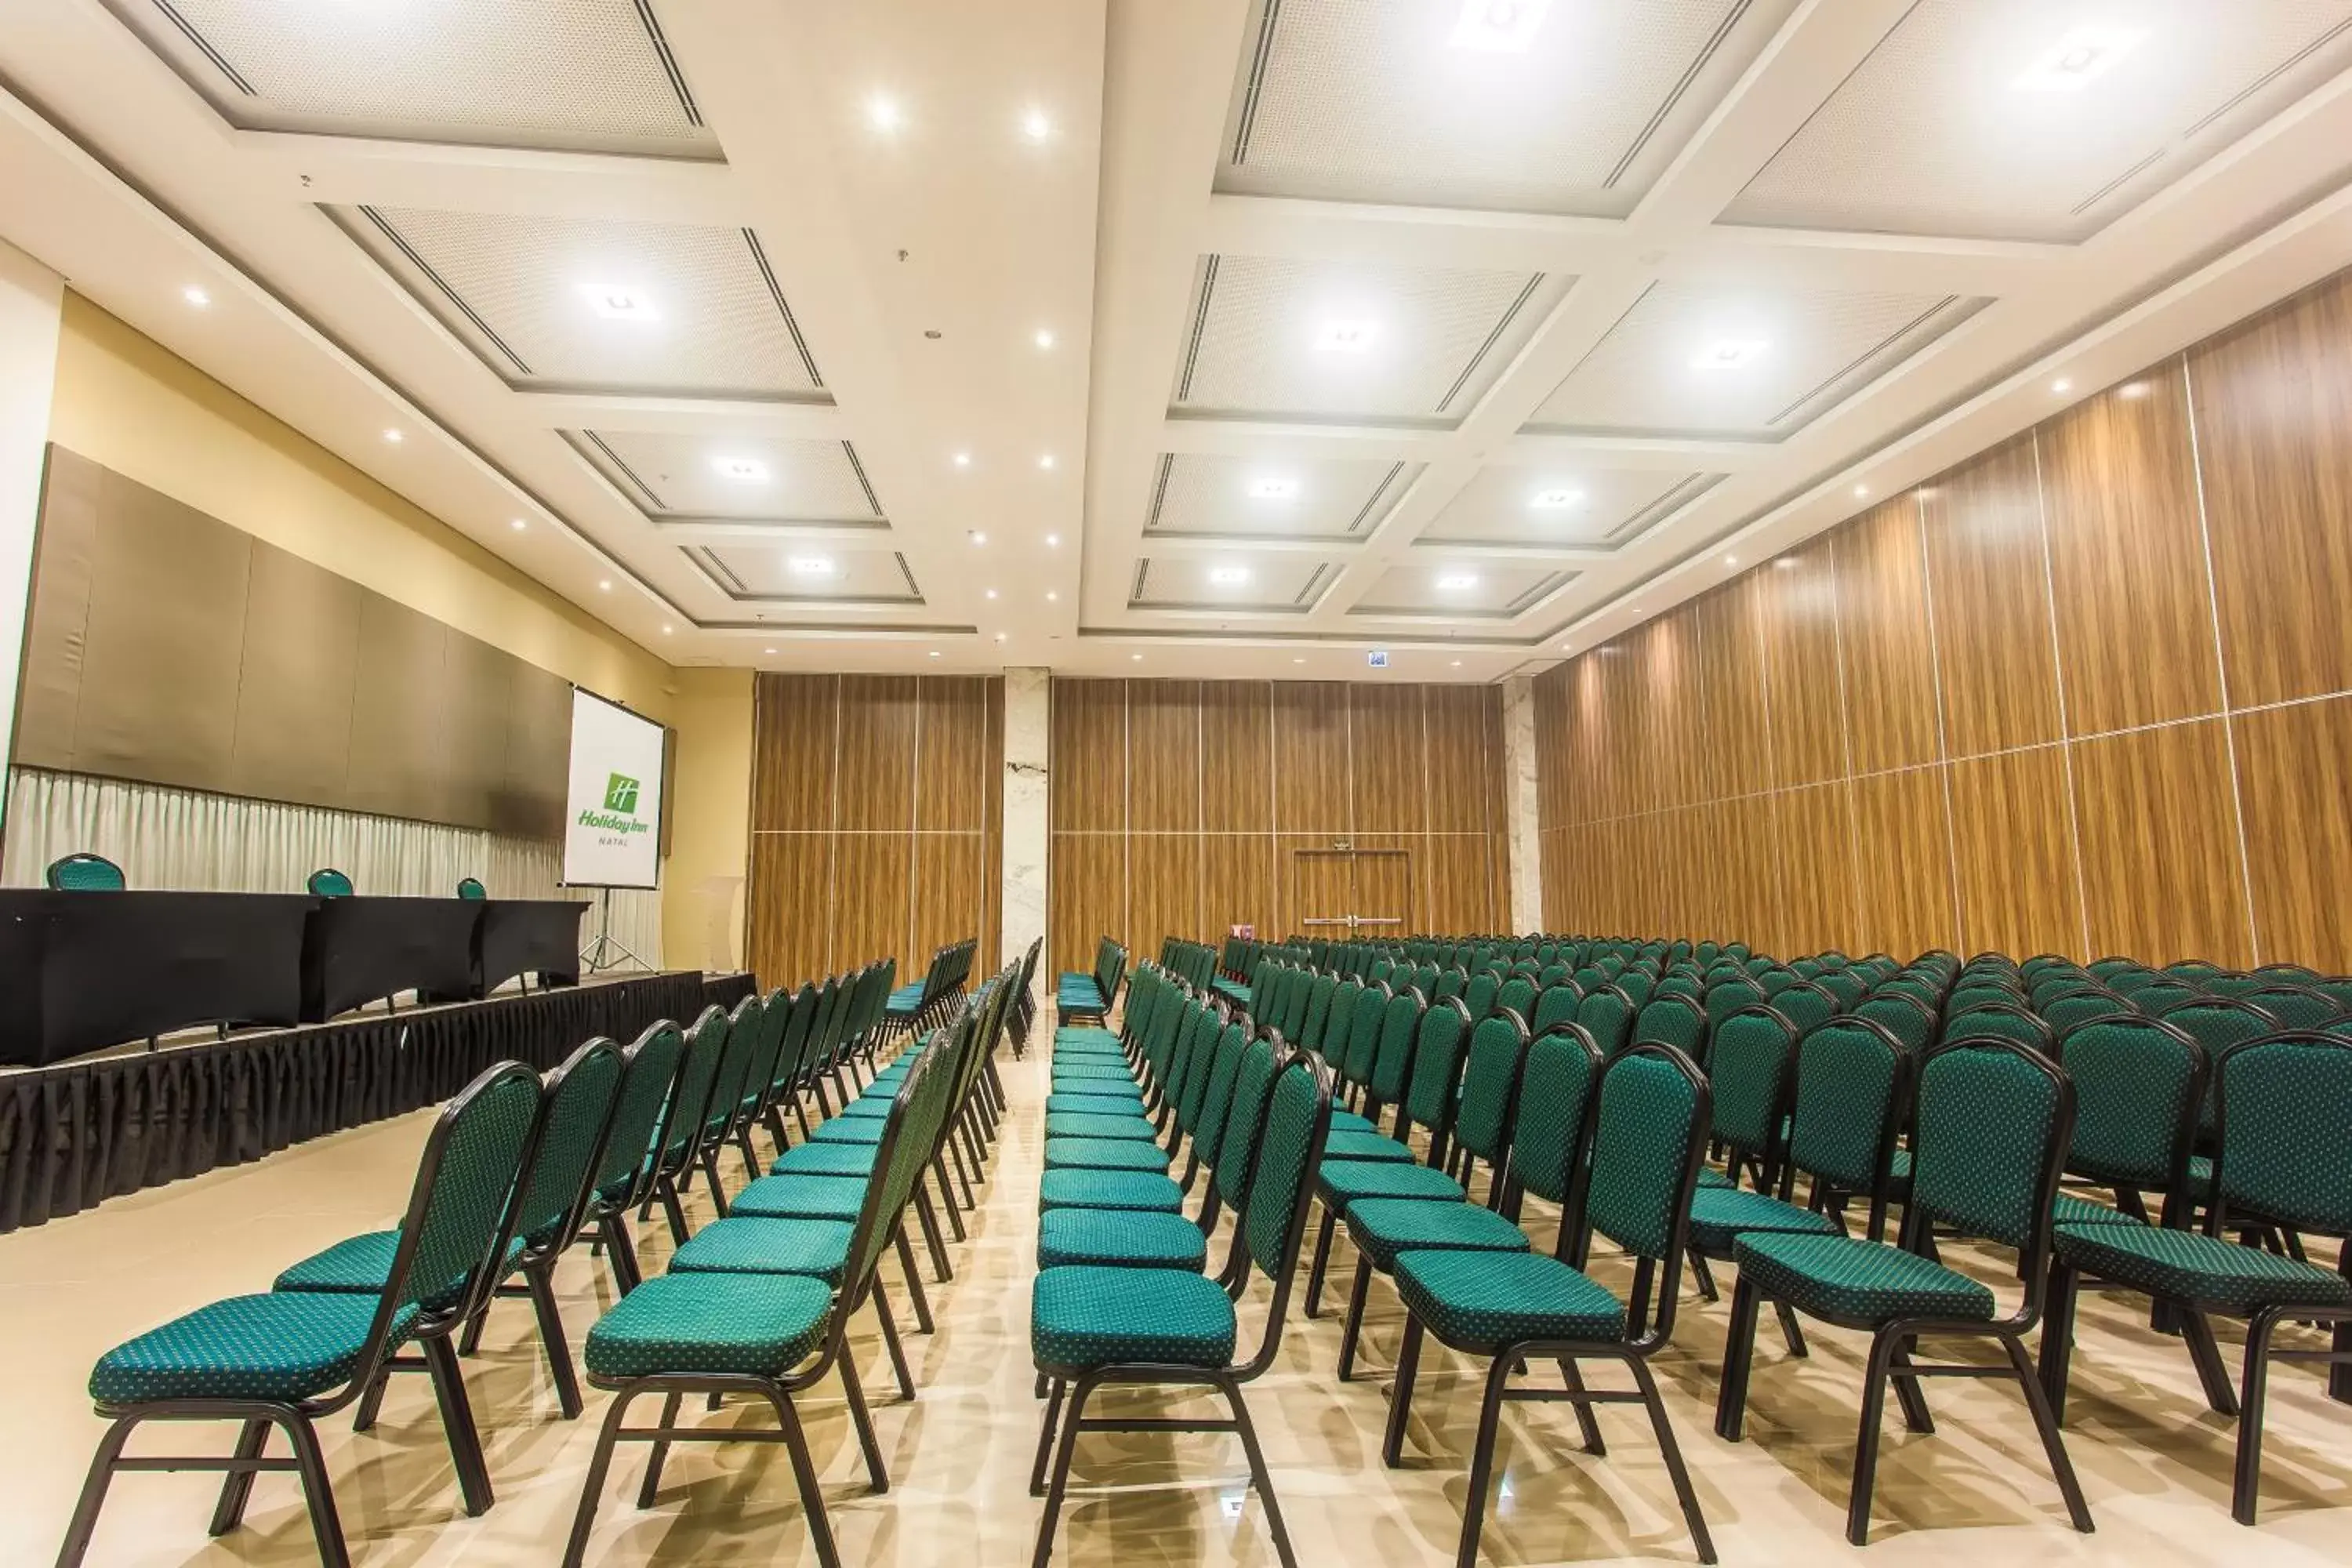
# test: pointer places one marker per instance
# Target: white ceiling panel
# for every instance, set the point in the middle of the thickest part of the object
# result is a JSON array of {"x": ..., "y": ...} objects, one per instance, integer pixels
[
  {"x": 811, "y": 573},
  {"x": 1449, "y": 591},
  {"x": 1264, "y": 584},
  {"x": 600, "y": 306},
  {"x": 1553, "y": 106},
  {"x": 1693, "y": 358},
  {"x": 753, "y": 477},
  {"x": 579, "y": 74},
  {"x": 1271, "y": 498},
  {"x": 1322, "y": 339},
  {"x": 1561, "y": 504},
  {"x": 2040, "y": 119}
]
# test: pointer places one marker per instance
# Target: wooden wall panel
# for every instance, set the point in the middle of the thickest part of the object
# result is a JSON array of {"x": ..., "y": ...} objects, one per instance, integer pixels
[
  {"x": 1797, "y": 620},
  {"x": 2294, "y": 775},
  {"x": 1086, "y": 897},
  {"x": 1991, "y": 582},
  {"x": 873, "y": 900},
  {"x": 1237, "y": 883},
  {"x": 795, "y": 737},
  {"x": 1088, "y": 778},
  {"x": 1389, "y": 761},
  {"x": 991, "y": 882},
  {"x": 947, "y": 892},
  {"x": 1734, "y": 705},
  {"x": 953, "y": 770},
  {"x": 1888, "y": 652},
  {"x": 1311, "y": 758},
  {"x": 2273, "y": 405},
  {"x": 2162, "y": 879},
  {"x": 2020, "y": 889},
  {"x": 1163, "y": 896},
  {"x": 1465, "y": 757},
  {"x": 1817, "y": 866},
  {"x": 2127, "y": 558},
  {"x": 1163, "y": 749},
  {"x": 1903, "y": 864},
  {"x": 879, "y": 717},
  {"x": 1237, "y": 756},
  {"x": 791, "y": 906}
]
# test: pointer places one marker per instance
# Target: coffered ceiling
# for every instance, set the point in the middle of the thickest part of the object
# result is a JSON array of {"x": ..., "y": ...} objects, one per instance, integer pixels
[{"x": 1139, "y": 337}]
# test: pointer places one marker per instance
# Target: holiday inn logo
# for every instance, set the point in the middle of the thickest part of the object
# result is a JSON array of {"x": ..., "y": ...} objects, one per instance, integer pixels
[{"x": 620, "y": 812}]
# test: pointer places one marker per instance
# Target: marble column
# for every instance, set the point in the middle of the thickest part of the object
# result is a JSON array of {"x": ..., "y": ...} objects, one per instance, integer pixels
[
  {"x": 1519, "y": 804},
  {"x": 31, "y": 299},
  {"x": 1028, "y": 745}
]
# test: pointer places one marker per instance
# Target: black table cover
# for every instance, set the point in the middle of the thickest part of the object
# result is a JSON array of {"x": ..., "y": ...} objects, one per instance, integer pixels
[
  {"x": 82, "y": 970},
  {"x": 528, "y": 936},
  {"x": 363, "y": 949}
]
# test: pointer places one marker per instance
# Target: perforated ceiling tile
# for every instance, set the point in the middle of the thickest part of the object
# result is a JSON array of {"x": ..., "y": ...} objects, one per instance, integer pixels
[
  {"x": 1703, "y": 359},
  {"x": 1201, "y": 494},
  {"x": 591, "y": 74},
  {"x": 811, "y": 573},
  {"x": 1561, "y": 504},
  {"x": 1443, "y": 591},
  {"x": 1268, "y": 335},
  {"x": 756, "y": 478},
  {"x": 591, "y": 305},
  {"x": 1282, "y": 584},
  {"x": 1565, "y": 106},
  {"x": 2040, "y": 120}
]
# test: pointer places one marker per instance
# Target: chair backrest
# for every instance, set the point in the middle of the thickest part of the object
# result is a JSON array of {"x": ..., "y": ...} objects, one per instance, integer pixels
[
  {"x": 2063, "y": 1012},
  {"x": 1436, "y": 1064},
  {"x": 1994, "y": 1120},
  {"x": 2294, "y": 1006},
  {"x": 1289, "y": 1152},
  {"x": 1607, "y": 1015},
  {"x": 706, "y": 1043},
  {"x": 2285, "y": 1102},
  {"x": 577, "y": 1099},
  {"x": 746, "y": 1029},
  {"x": 792, "y": 1039},
  {"x": 1201, "y": 1027},
  {"x": 1216, "y": 1104},
  {"x": 920, "y": 1109},
  {"x": 1904, "y": 1017},
  {"x": 2138, "y": 1082},
  {"x": 1806, "y": 1004},
  {"x": 1673, "y": 1020},
  {"x": 83, "y": 872},
  {"x": 329, "y": 883},
  {"x": 465, "y": 1192},
  {"x": 1478, "y": 996},
  {"x": 1319, "y": 993},
  {"x": 1518, "y": 994},
  {"x": 1363, "y": 1036},
  {"x": 1237, "y": 1144},
  {"x": 1997, "y": 1020},
  {"x": 1490, "y": 1084},
  {"x": 1556, "y": 1005},
  {"x": 1755, "y": 1050},
  {"x": 1393, "y": 1058},
  {"x": 1450, "y": 984},
  {"x": 2218, "y": 1023},
  {"x": 649, "y": 1070},
  {"x": 1647, "y": 1142},
  {"x": 471, "y": 889},
  {"x": 1548, "y": 1139},
  {"x": 1339, "y": 1023},
  {"x": 1853, "y": 1089}
]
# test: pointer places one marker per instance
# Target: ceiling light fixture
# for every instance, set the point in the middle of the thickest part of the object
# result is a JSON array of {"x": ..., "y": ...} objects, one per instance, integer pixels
[
  {"x": 1457, "y": 580},
  {"x": 1053, "y": 541},
  {"x": 1499, "y": 26},
  {"x": 1051, "y": 596},
  {"x": 604, "y": 584},
  {"x": 1732, "y": 560},
  {"x": 618, "y": 302},
  {"x": 882, "y": 112},
  {"x": 992, "y": 593},
  {"x": 1228, "y": 576},
  {"x": 2080, "y": 56},
  {"x": 1555, "y": 500},
  {"x": 1046, "y": 460},
  {"x": 1861, "y": 490},
  {"x": 978, "y": 537},
  {"x": 963, "y": 459},
  {"x": 520, "y": 525},
  {"x": 1274, "y": 489},
  {"x": 935, "y": 653},
  {"x": 810, "y": 565},
  {"x": 2134, "y": 389},
  {"x": 2062, "y": 387},
  {"x": 666, "y": 628},
  {"x": 196, "y": 296},
  {"x": 1035, "y": 126},
  {"x": 1457, "y": 664},
  {"x": 1136, "y": 656},
  {"x": 1000, "y": 636},
  {"x": 769, "y": 650},
  {"x": 1347, "y": 337},
  {"x": 395, "y": 436},
  {"x": 1044, "y": 339},
  {"x": 742, "y": 470},
  {"x": 1731, "y": 353}
]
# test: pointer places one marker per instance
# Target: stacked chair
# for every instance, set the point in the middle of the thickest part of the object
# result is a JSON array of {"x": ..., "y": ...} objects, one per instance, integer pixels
[{"x": 1088, "y": 998}]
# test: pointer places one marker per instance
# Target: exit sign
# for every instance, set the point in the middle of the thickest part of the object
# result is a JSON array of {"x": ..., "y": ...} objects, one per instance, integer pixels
[{"x": 1377, "y": 658}]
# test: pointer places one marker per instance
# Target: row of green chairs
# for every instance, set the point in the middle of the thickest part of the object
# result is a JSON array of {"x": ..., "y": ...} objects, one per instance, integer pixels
[
  {"x": 1088, "y": 997},
  {"x": 87, "y": 872}
]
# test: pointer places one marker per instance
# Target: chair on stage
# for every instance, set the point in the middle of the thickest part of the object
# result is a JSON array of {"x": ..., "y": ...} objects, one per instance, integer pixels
[
  {"x": 326, "y": 882},
  {"x": 470, "y": 888},
  {"x": 84, "y": 872}
]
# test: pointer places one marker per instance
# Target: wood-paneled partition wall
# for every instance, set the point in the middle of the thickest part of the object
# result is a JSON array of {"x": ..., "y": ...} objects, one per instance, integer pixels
[
  {"x": 2090, "y": 692},
  {"x": 1184, "y": 807},
  {"x": 876, "y": 821}
]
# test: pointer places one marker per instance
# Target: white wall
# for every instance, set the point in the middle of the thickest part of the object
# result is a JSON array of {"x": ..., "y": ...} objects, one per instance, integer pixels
[{"x": 31, "y": 301}]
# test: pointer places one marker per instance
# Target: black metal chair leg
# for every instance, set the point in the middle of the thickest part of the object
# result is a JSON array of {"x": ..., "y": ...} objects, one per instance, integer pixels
[
  {"x": 318, "y": 1492},
  {"x": 914, "y": 1279},
  {"x": 372, "y": 1401},
  {"x": 458, "y": 1419},
  {"x": 2246, "y": 1483},
  {"x": 1053, "y": 1396},
  {"x": 650, "y": 1488},
  {"x": 1313, "y": 1305},
  {"x": 2057, "y": 1357},
  {"x": 238, "y": 1485},
  {"x": 1907, "y": 1392},
  {"x": 675, "y": 1212},
  {"x": 1792, "y": 1333},
  {"x": 1354, "y": 1326},
  {"x": 890, "y": 1338},
  {"x": 941, "y": 1270},
  {"x": 1400, "y": 1401},
  {"x": 601, "y": 1461},
  {"x": 2054, "y": 1444},
  {"x": 1482, "y": 1461},
  {"x": 93, "y": 1492},
  {"x": 1739, "y": 1352},
  {"x": 1671, "y": 1452},
  {"x": 804, "y": 1476},
  {"x": 1866, "y": 1443},
  {"x": 878, "y": 1477},
  {"x": 541, "y": 1280},
  {"x": 1060, "y": 1480},
  {"x": 1588, "y": 1425},
  {"x": 1703, "y": 1277},
  {"x": 1258, "y": 1474}
]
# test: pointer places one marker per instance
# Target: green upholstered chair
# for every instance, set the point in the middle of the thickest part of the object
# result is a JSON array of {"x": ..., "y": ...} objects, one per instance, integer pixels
[
  {"x": 2284, "y": 1102},
  {"x": 1353, "y": 1052},
  {"x": 470, "y": 888},
  {"x": 2000, "y": 1020},
  {"x": 671, "y": 1168},
  {"x": 1672, "y": 1019},
  {"x": 1606, "y": 1013},
  {"x": 579, "y": 1097},
  {"x": 1754, "y": 1060},
  {"x": 650, "y": 1071},
  {"x": 84, "y": 872},
  {"x": 1554, "y": 1003},
  {"x": 329, "y": 883},
  {"x": 1384, "y": 1081},
  {"x": 1090, "y": 1327},
  {"x": 1993, "y": 1121},
  {"x": 2138, "y": 1084},
  {"x": 287, "y": 1358},
  {"x": 1905, "y": 1017},
  {"x": 739, "y": 1067},
  {"x": 1516, "y": 1309}
]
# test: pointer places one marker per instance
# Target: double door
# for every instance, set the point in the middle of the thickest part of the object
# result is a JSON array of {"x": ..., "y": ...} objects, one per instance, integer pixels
[{"x": 1335, "y": 894}]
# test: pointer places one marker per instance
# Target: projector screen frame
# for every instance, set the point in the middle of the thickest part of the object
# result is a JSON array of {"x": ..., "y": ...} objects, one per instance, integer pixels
[{"x": 661, "y": 806}]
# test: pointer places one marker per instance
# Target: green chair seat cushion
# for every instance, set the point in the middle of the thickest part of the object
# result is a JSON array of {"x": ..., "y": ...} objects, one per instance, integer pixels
[
  {"x": 1105, "y": 1238},
  {"x": 1091, "y": 1072},
  {"x": 756, "y": 1325},
  {"x": 1383, "y": 1227},
  {"x": 1708, "y": 1176},
  {"x": 1719, "y": 1214},
  {"x": 359, "y": 1265},
  {"x": 1849, "y": 1279},
  {"x": 866, "y": 1107},
  {"x": 1128, "y": 1104},
  {"x": 1068, "y": 1189},
  {"x": 2072, "y": 1210},
  {"x": 801, "y": 1197},
  {"x": 1081, "y": 1124},
  {"x": 1349, "y": 1121},
  {"x": 2190, "y": 1265},
  {"x": 1343, "y": 1182},
  {"x": 1364, "y": 1146},
  {"x": 1066, "y": 1035},
  {"x": 287, "y": 1345},
  {"x": 849, "y": 1130},
  {"x": 1105, "y": 1155},
  {"x": 827, "y": 1160},
  {"x": 1484, "y": 1301},
  {"x": 751, "y": 1244},
  {"x": 1081, "y": 1318}
]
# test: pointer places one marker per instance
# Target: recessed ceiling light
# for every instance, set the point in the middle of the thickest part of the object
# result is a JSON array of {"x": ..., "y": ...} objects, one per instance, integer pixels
[
  {"x": 2080, "y": 56},
  {"x": 520, "y": 525},
  {"x": 196, "y": 296},
  {"x": 1136, "y": 656},
  {"x": 1729, "y": 353},
  {"x": 1555, "y": 499},
  {"x": 1351, "y": 337},
  {"x": 618, "y": 302},
  {"x": 1035, "y": 126},
  {"x": 1732, "y": 560},
  {"x": 1046, "y": 460},
  {"x": 1053, "y": 541},
  {"x": 1451, "y": 580},
  {"x": 963, "y": 459},
  {"x": 2134, "y": 389},
  {"x": 809, "y": 565},
  {"x": 935, "y": 653},
  {"x": 992, "y": 593},
  {"x": 666, "y": 628},
  {"x": 1499, "y": 26},
  {"x": 1000, "y": 636},
  {"x": 769, "y": 650},
  {"x": 1044, "y": 339},
  {"x": 742, "y": 470},
  {"x": 1274, "y": 489},
  {"x": 2062, "y": 387},
  {"x": 1051, "y": 596},
  {"x": 1862, "y": 489},
  {"x": 1227, "y": 576},
  {"x": 604, "y": 584},
  {"x": 978, "y": 537},
  {"x": 395, "y": 436},
  {"x": 883, "y": 113},
  {"x": 1299, "y": 660},
  {"x": 1457, "y": 664}
]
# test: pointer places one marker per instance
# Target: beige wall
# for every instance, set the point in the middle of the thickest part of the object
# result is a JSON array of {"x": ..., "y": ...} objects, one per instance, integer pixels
[{"x": 702, "y": 925}]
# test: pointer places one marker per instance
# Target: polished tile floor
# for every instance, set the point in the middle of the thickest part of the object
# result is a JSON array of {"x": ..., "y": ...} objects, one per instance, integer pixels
[{"x": 2154, "y": 1463}]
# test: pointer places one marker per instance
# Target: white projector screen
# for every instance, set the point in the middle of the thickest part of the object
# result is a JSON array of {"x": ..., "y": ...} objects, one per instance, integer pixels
[{"x": 611, "y": 814}]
